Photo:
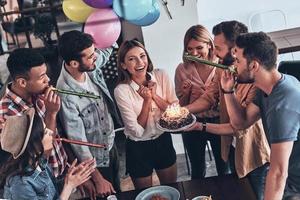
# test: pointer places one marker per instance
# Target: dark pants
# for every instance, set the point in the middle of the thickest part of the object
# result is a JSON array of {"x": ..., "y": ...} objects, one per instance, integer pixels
[
  {"x": 111, "y": 173},
  {"x": 257, "y": 177},
  {"x": 195, "y": 144}
]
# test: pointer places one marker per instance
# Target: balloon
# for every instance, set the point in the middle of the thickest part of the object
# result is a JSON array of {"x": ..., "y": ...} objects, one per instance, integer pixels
[
  {"x": 99, "y": 3},
  {"x": 150, "y": 18},
  {"x": 132, "y": 9},
  {"x": 77, "y": 10},
  {"x": 104, "y": 26}
]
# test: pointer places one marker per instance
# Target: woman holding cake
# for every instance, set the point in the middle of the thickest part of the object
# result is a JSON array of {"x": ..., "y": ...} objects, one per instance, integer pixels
[
  {"x": 142, "y": 94},
  {"x": 191, "y": 80}
]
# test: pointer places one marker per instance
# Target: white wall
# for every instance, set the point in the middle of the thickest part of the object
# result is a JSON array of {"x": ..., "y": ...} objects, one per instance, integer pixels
[
  {"x": 164, "y": 41},
  {"x": 164, "y": 38},
  {"x": 211, "y": 12}
]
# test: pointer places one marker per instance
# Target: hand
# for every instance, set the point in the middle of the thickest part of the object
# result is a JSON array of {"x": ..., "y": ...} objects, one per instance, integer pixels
[
  {"x": 186, "y": 87},
  {"x": 227, "y": 80},
  {"x": 145, "y": 92},
  {"x": 196, "y": 92},
  {"x": 103, "y": 187},
  {"x": 51, "y": 100},
  {"x": 88, "y": 188},
  {"x": 79, "y": 174},
  {"x": 196, "y": 126},
  {"x": 152, "y": 86}
]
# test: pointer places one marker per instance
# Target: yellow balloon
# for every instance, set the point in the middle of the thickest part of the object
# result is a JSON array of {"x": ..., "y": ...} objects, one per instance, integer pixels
[{"x": 77, "y": 10}]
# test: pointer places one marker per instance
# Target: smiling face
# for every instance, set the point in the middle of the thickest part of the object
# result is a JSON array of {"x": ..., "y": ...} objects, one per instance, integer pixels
[
  {"x": 223, "y": 50},
  {"x": 198, "y": 49},
  {"x": 88, "y": 60},
  {"x": 136, "y": 63}
]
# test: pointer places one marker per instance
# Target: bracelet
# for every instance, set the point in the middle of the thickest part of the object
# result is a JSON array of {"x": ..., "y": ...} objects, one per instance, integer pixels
[
  {"x": 227, "y": 92},
  {"x": 203, "y": 127}
]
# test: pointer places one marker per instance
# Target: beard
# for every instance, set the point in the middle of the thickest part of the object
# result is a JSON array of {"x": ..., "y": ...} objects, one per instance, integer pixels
[
  {"x": 83, "y": 68},
  {"x": 244, "y": 81},
  {"x": 228, "y": 59},
  {"x": 245, "y": 77}
]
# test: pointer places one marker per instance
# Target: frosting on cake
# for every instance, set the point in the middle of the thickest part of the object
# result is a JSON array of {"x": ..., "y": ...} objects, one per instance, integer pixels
[{"x": 175, "y": 117}]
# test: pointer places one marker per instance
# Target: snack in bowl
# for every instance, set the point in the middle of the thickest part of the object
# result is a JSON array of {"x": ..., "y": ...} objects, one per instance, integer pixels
[
  {"x": 158, "y": 197},
  {"x": 175, "y": 117}
]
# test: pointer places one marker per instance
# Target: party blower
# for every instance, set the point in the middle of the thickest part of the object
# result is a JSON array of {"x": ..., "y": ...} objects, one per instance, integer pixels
[
  {"x": 232, "y": 69},
  {"x": 80, "y": 94}
]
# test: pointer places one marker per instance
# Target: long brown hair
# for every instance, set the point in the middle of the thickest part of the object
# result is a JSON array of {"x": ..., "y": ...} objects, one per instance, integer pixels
[
  {"x": 27, "y": 162},
  {"x": 201, "y": 34},
  {"x": 124, "y": 75}
]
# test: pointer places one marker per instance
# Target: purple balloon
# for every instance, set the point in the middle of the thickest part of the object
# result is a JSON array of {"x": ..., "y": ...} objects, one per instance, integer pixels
[{"x": 99, "y": 3}]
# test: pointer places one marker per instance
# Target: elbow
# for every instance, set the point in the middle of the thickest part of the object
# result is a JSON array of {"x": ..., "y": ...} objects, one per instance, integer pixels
[
  {"x": 240, "y": 125},
  {"x": 279, "y": 175},
  {"x": 134, "y": 131}
]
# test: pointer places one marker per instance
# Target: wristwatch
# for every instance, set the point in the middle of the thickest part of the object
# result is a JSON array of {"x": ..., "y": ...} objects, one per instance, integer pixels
[
  {"x": 227, "y": 92},
  {"x": 203, "y": 126}
]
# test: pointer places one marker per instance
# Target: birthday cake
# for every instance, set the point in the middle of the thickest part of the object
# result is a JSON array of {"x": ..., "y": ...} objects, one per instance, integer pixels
[{"x": 176, "y": 117}]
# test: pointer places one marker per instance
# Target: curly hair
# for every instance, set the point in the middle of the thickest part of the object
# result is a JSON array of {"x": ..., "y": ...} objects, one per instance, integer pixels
[
  {"x": 231, "y": 30},
  {"x": 260, "y": 47},
  {"x": 72, "y": 43},
  {"x": 29, "y": 159},
  {"x": 20, "y": 62}
]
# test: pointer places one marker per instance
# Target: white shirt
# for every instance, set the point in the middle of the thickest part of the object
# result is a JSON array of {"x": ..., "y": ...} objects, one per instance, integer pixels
[{"x": 130, "y": 105}]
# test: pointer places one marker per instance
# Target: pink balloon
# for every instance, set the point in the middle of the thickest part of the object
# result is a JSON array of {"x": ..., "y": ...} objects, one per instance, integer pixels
[{"x": 104, "y": 26}]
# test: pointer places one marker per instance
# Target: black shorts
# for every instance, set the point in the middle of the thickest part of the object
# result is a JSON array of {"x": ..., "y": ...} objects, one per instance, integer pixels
[{"x": 144, "y": 156}]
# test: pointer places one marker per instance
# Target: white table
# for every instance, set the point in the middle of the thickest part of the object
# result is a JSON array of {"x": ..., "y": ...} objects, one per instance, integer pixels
[{"x": 287, "y": 40}]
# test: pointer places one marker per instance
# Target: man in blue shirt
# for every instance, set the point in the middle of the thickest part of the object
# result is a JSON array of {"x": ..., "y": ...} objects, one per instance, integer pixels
[{"x": 277, "y": 103}]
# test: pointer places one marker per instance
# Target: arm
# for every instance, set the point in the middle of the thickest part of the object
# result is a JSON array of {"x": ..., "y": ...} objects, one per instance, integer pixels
[
  {"x": 22, "y": 190},
  {"x": 240, "y": 117},
  {"x": 76, "y": 176},
  {"x": 209, "y": 98},
  {"x": 182, "y": 87},
  {"x": 217, "y": 129},
  {"x": 146, "y": 94},
  {"x": 128, "y": 112},
  {"x": 103, "y": 55},
  {"x": 160, "y": 102},
  {"x": 167, "y": 95},
  {"x": 52, "y": 104},
  {"x": 278, "y": 172}
]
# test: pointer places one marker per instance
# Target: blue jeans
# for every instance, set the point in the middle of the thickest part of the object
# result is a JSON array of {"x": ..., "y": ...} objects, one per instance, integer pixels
[{"x": 257, "y": 179}]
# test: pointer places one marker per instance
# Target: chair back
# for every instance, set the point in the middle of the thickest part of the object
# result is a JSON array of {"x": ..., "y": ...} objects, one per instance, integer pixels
[
  {"x": 267, "y": 21},
  {"x": 290, "y": 67}
]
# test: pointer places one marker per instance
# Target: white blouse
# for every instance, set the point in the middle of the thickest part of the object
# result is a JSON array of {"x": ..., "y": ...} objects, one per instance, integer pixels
[{"x": 130, "y": 105}]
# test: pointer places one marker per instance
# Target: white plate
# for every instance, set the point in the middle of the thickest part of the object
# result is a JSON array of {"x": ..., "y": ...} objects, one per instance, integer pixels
[
  {"x": 200, "y": 198},
  {"x": 179, "y": 129},
  {"x": 163, "y": 190}
]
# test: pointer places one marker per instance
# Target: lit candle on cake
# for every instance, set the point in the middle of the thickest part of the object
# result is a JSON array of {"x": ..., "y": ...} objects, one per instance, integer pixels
[
  {"x": 175, "y": 117},
  {"x": 173, "y": 110}
]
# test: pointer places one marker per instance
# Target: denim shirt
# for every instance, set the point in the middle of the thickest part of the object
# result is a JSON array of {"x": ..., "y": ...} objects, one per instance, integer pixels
[
  {"x": 37, "y": 186},
  {"x": 88, "y": 119}
]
